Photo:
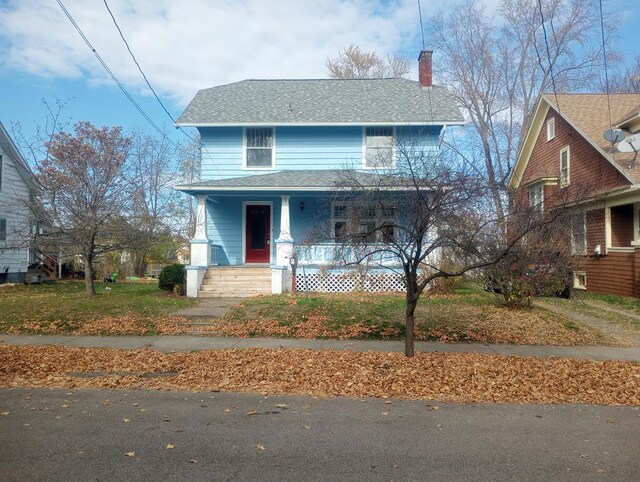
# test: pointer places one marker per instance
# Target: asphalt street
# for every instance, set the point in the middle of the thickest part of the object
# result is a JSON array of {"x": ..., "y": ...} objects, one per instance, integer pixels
[{"x": 141, "y": 435}]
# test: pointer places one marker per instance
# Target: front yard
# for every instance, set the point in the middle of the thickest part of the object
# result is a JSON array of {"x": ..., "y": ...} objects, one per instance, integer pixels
[{"x": 468, "y": 315}]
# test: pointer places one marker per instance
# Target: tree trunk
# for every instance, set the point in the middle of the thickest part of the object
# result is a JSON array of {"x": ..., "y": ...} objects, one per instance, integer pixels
[
  {"x": 88, "y": 274},
  {"x": 410, "y": 325}
]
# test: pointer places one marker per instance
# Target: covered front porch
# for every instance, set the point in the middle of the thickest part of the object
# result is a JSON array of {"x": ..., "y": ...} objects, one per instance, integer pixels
[{"x": 275, "y": 227}]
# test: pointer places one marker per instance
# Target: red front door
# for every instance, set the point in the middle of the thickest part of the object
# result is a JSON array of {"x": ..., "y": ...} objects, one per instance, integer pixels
[{"x": 258, "y": 233}]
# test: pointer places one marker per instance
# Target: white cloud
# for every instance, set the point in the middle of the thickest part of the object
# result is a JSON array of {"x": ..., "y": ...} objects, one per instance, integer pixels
[{"x": 191, "y": 44}]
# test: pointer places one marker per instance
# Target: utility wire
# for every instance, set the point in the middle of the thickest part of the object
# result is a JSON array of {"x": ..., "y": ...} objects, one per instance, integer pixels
[
  {"x": 546, "y": 42},
  {"x": 144, "y": 76},
  {"x": 421, "y": 26},
  {"x": 606, "y": 74},
  {"x": 112, "y": 75}
]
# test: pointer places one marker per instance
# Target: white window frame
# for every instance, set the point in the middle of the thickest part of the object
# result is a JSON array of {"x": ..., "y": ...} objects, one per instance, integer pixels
[
  {"x": 564, "y": 180},
  {"x": 245, "y": 148},
  {"x": 551, "y": 129},
  {"x": 574, "y": 251},
  {"x": 580, "y": 280},
  {"x": 379, "y": 219},
  {"x": 536, "y": 196},
  {"x": 393, "y": 147}
]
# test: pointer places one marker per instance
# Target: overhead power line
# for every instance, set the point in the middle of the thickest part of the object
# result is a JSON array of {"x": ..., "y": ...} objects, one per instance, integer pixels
[
  {"x": 606, "y": 74},
  {"x": 546, "y": 42},
  {"x": 144, "y": 76},
  {"x": 112, "y": 75}
]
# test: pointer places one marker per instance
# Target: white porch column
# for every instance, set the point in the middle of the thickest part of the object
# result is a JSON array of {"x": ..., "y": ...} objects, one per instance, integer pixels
[
  {"x": 200, "y": 249},
  {"x": 284, "y": 249}
]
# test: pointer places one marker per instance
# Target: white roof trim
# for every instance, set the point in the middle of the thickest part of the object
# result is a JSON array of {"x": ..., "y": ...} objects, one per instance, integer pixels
[{"x": 187, "y": 188}]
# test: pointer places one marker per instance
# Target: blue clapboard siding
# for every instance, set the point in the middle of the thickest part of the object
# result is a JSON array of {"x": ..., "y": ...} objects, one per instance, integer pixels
[
  {"x": 224, "y": 224},
  {"x": 331, "y": 147}
]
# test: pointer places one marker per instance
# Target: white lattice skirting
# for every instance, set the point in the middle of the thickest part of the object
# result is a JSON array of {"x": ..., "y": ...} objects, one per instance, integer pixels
[{"x": 345, "y": 282}]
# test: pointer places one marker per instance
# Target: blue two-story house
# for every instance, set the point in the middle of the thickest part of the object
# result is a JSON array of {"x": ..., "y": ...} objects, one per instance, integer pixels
[{"x": 272, "y": 156}]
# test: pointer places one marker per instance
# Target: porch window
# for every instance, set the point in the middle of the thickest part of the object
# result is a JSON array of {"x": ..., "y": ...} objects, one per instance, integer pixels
[
  {"x": 372, "y": 222},
  {"x": 622, "y": 229},
  {"x": 578, "y": 234},
  {"x": 378, "y": 147},
  {"x": 564, "y": 167},
  {"x": 551, "y": 128},
  {"x": 3, "y": 229},
  {"x": 536, "y": 197},
  {"x": 259, "y": 152}
]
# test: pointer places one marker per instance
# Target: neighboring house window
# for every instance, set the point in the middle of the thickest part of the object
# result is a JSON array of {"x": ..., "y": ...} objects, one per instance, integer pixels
[
  {"x": 564, "y": 166},
  {"x": 536, "y": 197},
  {"x": 378, "y": 147},
  {"x": 3, "y": 229},
  {"x": 375, "y": 222},
  {"x": 259, "y": 152},
  {"x": 551, "y": 128},
  {"x": 0, "y": 173},
  {"x": 580, "y": 280},
  {"x": 578, "y": 234}
]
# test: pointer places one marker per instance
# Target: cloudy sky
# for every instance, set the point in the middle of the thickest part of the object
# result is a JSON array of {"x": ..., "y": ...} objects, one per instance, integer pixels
[{"x": 186, "y": 45}]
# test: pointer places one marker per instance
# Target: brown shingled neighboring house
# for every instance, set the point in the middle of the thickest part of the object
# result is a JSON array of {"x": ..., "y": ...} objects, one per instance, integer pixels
[{"x": 564, "y": 150}]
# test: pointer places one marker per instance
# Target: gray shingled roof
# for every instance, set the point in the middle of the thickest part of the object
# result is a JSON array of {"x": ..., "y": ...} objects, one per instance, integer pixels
[
  {"x": 304, "y": 180},
  {"x": 326, "y": 101}
]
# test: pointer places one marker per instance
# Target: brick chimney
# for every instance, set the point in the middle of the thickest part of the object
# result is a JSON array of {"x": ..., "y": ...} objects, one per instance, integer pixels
[{"x": 425, "y": 68}]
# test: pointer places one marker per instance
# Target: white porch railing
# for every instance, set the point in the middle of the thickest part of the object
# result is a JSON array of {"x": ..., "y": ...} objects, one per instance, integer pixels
[{"x": 330, "y": 254}]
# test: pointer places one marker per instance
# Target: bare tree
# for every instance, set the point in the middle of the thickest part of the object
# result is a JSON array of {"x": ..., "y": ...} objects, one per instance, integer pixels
[
  {"x": 355, "y": 63},
  {"x": 625, "y": 80},
  {"x": 497, "y": 66},
  {"x": 154, "y": 202},
  {"x": 85, "y": 190}
]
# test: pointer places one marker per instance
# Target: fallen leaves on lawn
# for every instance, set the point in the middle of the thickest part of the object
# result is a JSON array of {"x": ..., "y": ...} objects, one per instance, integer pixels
[{"x": 461, "y": 377}]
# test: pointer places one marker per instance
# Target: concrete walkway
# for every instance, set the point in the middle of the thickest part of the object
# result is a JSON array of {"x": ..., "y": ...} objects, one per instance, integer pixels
[{"x": 167, "y": 343}]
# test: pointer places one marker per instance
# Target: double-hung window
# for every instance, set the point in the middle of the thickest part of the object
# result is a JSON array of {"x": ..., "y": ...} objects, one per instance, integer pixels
[
  {"x": 564, "y": 167},
  {"x": 578, "y": 234},
  {"x": 379, "y": 147},
  {"x": 536, "y": 197},
  {"x": 259, "y": 150}
]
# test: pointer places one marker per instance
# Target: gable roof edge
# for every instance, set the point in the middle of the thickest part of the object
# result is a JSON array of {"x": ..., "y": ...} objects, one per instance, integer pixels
[
  {"x": 20, "y": 162},
  {"x": 599, "y": 149},
  {"x": 526, "y": 146}
]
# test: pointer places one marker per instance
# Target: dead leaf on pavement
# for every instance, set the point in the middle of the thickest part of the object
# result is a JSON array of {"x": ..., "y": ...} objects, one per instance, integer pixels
[
  {"x": 169, "y": 446},
  {"x": 130, "y": 454}
]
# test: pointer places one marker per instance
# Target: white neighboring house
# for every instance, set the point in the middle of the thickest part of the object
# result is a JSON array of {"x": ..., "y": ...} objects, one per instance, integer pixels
[{"x": 17, "y": 185}]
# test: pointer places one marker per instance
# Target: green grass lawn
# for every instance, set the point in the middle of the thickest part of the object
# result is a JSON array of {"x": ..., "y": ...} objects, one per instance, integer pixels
[
  {"x": 617, "y": 309},
  {"x": 67, "y": 303},
  {"x": 467, "y": 315}
]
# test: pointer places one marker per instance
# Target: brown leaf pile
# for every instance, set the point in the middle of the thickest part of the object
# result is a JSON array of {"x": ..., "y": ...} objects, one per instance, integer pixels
[
  {"x": 451, "y": 324},
  {"x": 437, "y": 376}
]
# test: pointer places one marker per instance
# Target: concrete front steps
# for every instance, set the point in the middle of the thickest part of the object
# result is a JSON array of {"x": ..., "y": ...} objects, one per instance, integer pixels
[{"x": 235, "y": 281}]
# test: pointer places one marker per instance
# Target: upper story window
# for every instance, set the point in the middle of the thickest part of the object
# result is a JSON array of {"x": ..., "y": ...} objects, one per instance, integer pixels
[
  {"x": 564, "y": 166},
  {"x": 536, "y": 197},
  {"x": 551, "y": 128},
  {"x": 379, "y": 147},
  {"x": 259, "y": 148}
]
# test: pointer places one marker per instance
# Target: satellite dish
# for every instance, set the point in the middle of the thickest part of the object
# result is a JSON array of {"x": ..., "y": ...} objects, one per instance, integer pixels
[
  {"x": 630, "y": 144},
  {"x": 613, "y": 135}
]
